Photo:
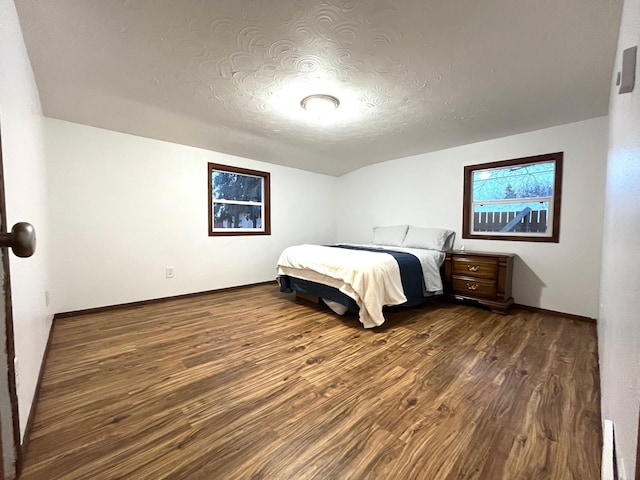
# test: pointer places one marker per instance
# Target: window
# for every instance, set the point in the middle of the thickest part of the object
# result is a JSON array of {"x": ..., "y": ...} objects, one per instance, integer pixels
[
  {"x": 514, "y": 199},
  {"x": 238, "y": 201}
]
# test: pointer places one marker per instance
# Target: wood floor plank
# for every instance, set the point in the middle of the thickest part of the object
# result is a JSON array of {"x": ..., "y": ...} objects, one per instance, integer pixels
[{"x": 253, "y": 384}]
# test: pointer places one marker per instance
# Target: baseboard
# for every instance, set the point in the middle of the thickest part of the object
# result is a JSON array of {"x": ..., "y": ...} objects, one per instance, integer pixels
[
  {"x": 571, "y": 316},
  {"x": 141, "y": 303},
  {"x": 24, "y": 445}
]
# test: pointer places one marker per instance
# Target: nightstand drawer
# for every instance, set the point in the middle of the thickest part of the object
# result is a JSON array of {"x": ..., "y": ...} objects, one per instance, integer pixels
[
  {"x": 474, "y": 287},
  {"x": 483, "y": 277},
  {"x": 472, "y": 266}
]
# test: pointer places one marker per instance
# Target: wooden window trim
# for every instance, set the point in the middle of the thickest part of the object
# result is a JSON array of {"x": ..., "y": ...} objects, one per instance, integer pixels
[
  {"x": 557, "y": 196},
  {"x": 266, "y": 176}
]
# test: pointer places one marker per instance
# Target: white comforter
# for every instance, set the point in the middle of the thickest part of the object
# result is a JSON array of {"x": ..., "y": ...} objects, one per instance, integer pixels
[{"x": 371, "y": 279}]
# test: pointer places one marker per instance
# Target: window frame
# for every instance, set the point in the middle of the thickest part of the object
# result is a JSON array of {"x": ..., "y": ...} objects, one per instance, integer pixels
[
  {"x": 266, "y": 201},
  {"x": 554, "y": 209}
]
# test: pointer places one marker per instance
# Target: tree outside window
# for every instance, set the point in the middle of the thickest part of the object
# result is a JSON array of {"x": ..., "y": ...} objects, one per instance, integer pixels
[
  {"x": 515, "y": 199},
  {"x": 239, "y": 201}
]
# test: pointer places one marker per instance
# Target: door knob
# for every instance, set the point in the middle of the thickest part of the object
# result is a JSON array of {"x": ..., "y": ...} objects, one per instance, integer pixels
[{"x": 22, "y": 239}]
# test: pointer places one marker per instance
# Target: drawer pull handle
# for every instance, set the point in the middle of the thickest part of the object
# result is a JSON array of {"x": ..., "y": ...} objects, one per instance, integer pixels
[
  {"x": 472, "y": 286},
  {"x": 473, "y": 268}
]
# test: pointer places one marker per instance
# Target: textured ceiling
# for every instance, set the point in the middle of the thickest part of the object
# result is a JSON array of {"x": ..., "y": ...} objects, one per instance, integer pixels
[{"x": 412, "y": 76}]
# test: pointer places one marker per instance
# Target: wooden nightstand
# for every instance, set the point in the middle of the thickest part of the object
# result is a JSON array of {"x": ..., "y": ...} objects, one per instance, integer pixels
[{"x": 480, "y": 276}]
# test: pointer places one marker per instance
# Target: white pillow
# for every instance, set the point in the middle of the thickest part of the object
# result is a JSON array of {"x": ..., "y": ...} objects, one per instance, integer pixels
[
  {"x": 393, "y": 235},
  {"x": 429, "y": 238}
]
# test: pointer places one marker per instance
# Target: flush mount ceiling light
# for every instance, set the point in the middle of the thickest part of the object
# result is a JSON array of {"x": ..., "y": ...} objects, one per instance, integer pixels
[{"x": 319, "y": 104}]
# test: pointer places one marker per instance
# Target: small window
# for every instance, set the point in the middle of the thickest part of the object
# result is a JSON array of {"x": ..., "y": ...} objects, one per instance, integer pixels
[
  {"x": 239, "y": 201},
  {"x": 515, "y": 199}
]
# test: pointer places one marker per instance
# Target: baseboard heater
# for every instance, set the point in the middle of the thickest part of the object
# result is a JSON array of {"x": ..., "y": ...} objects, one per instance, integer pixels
[{"x": 609, "y": 463}]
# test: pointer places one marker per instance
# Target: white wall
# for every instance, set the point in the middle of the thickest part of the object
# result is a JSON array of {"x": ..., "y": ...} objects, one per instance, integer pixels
[
  {"x": 618, "y": 324},
  {"x": 426, "y": 190},
  {"x": 126, "y": 207},
  {"x": 26, "y": 190}
]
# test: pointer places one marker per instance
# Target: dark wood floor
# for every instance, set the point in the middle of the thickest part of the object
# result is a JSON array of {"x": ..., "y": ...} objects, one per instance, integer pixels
[{"x": 250, "y": 384}]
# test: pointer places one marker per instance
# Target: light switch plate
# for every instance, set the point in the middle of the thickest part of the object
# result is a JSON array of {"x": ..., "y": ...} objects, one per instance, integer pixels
[{"x": 628, "y": 75}]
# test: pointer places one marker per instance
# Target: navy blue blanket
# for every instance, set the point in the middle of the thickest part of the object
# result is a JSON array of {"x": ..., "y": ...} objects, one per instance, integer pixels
[
  {"x": 290, "y": 284},
  {"x": 410, "y": 272}
]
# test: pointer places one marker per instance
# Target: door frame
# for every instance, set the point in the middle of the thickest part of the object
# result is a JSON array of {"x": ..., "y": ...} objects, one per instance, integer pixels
[{"x": 8, "y": 326}]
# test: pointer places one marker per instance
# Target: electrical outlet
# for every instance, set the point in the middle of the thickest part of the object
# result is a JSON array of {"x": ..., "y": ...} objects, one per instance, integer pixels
[
  {"x": 169, "y": 272},
  {"x": 47, "y": 298}
]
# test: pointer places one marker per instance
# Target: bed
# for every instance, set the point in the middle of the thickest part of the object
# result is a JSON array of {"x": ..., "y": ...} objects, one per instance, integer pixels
[{"x": 400, "y": 267}]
